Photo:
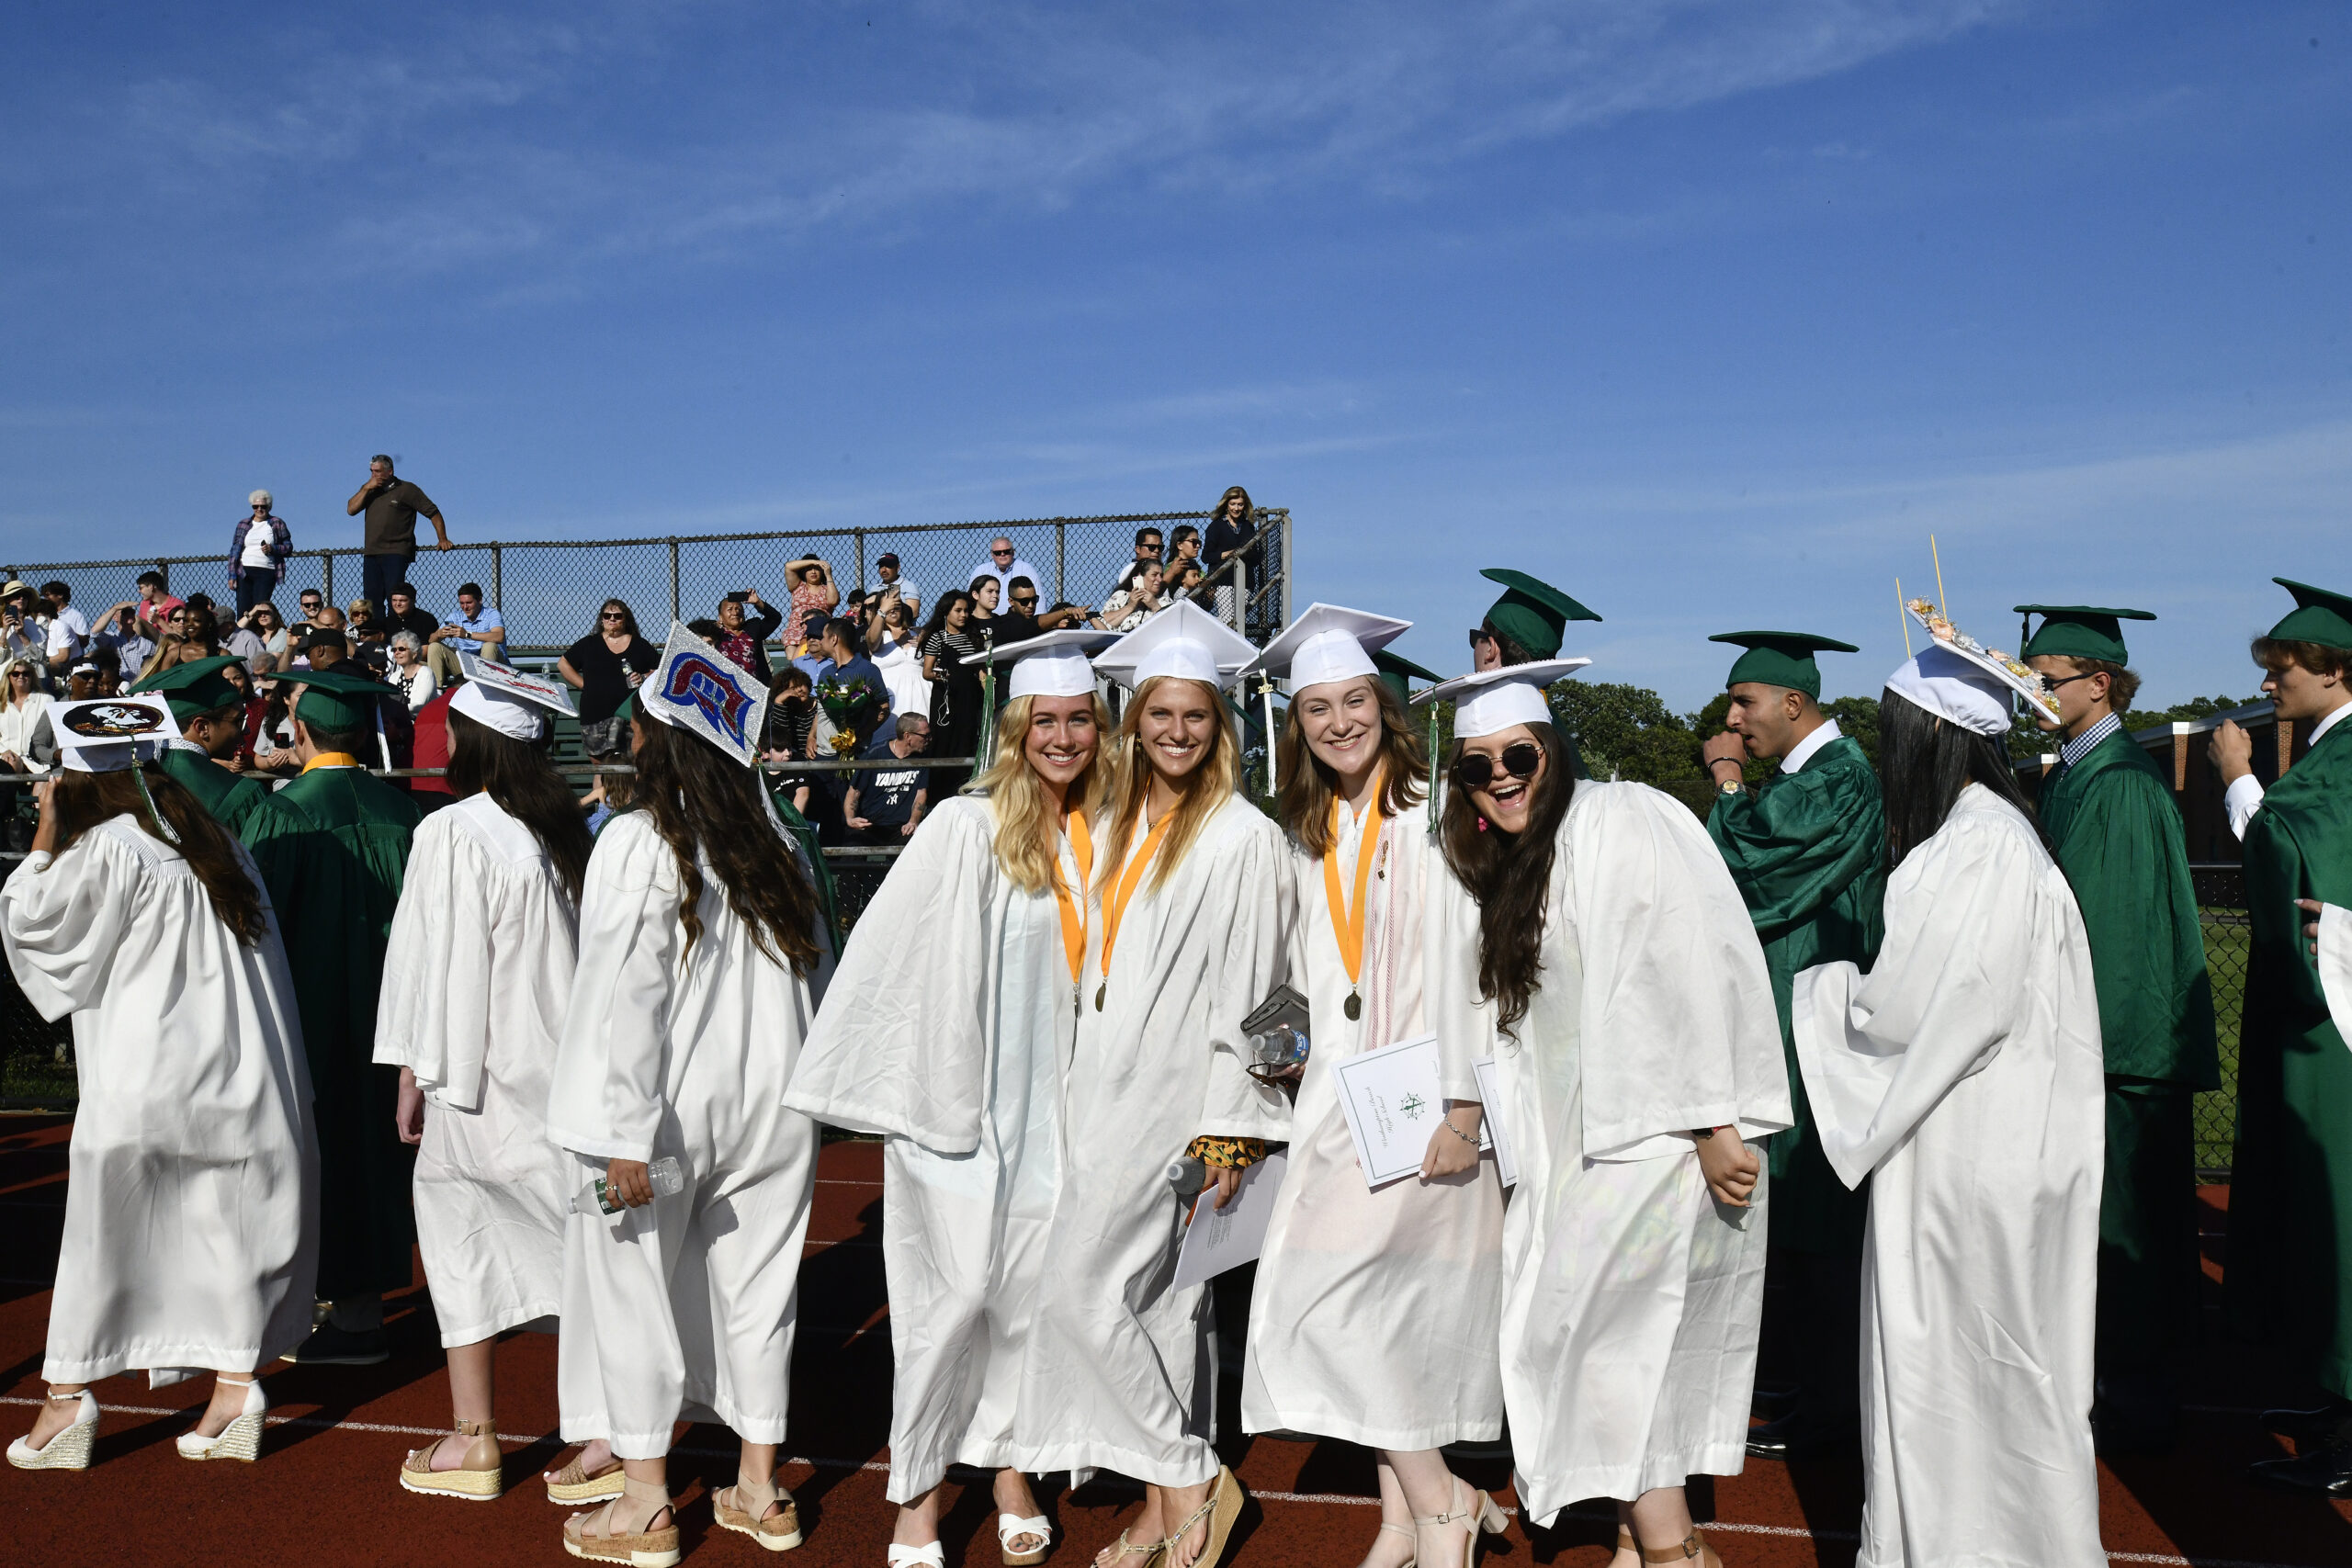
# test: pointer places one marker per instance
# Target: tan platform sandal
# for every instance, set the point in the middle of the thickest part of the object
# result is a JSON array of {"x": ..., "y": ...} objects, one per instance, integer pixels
[
  {"x": 1693, "y": 1550},
  {"x": 240, "y": 1438},
  {"x": 1011, "y": 1528},
  {"x": 1154, "y": 1555},
  {"x": 479, "y": 1476},
  {"x": 591, "y": 1535},
  {"x": 1485, "y": 1517},
  {"x": 68, "y": 1449},
  {"x": 1222, "y": 1508},
  {"x": 748, "y": 1514},
  {"x": 573, "y": 1484}
]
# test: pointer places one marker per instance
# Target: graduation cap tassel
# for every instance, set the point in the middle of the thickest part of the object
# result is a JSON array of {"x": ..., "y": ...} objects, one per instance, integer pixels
[
  {"x": 171, "y": 835},
  {"x": 986, "y": 748},
  {"x": 1434, "y": 802},
  {"x": 1266, "y": 700}
]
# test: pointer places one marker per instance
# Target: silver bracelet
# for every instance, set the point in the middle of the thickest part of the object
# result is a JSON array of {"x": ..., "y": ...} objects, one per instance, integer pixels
[{"x": 1457, "y": 1132}]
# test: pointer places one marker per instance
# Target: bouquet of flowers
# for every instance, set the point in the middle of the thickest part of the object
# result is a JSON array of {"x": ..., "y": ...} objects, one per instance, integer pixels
[{"x": 848, "y": 703}]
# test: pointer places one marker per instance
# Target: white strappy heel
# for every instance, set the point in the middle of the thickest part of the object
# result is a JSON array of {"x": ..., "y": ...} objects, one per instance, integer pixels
[
  {"x": 68, "y": 1450},
  {"x": 1010, "y": 1526},
  {"x": 932, "y": 1556},
  {"x": 240, "y": 1438}
]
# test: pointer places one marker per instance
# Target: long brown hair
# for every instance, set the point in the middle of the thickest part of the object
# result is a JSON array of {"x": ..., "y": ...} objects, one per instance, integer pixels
[
  {"x": 1028, "y": 818},
  {"x": 515, "y": 774},
  {"x": 1510, "y": 877},
  {"x": 83, "y": 801},
  {"x": 1208, "y": 786},
  {"x": 701, "y": 800},
  {"x": 1303, "y": 802}
]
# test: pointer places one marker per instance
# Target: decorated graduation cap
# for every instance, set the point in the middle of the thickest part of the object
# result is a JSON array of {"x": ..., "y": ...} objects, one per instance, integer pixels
[
  {"x": 1053, "y": 665},
  {"x": 1327, "y": 643},
  {"x": 106, "y": 735},
  {"x": 1533, "y": 613},
  {"x": 1397, "y": 674},
  {"x": 697, "y": 689},
  {"x": 1959, "y": 680},
  {"x": 512, "y": 702},
  {"x": 1493, "y": 700},
  {"x": 339, "y": 700},
  {"x": 1184, "y": 641},
  {"x": 2079, "y": 631},
  {"x": 2320, "y": 615},
  {"x": 1780, "y": 659},
  {"x": 194, "y": 689}
]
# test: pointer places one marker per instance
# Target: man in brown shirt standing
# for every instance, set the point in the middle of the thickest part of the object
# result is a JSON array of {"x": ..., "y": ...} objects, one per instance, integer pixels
[{"x": 392, "y": 504}]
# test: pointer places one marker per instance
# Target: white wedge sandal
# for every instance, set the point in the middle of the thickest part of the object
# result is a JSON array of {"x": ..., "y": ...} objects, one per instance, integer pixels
[
  {"x": 68, "y": 1450},
  {"x": 240, "y": 1438}
]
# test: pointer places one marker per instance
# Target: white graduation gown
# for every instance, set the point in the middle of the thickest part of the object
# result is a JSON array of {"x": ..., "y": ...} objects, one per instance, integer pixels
[
  {"x": 944, "y": 1029},
  {"x": 1632, "y": 1298},
  {"x": 191, "y": 1205},
  {"x": 2335, "y": 963},
  {"x": 1964, "y": 1075},
  {"x": 684, "y": 1309},
  {"x": 476, "y": 979},
  {"x": 1121, "y": 1373},
  {"x": 1374, "y": 1314}
]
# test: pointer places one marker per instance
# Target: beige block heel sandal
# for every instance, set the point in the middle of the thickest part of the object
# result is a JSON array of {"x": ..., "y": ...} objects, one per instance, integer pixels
[
  {"x": 479, "y": 1477},
  {"x": 743, "y": 1508}
]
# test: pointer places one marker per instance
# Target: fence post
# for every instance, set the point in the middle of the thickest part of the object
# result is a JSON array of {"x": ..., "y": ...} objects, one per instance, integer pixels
[
  {"x": 498, "y": 578},
  {"x": 861, "y": 561},
  {"x": 164, "y": 570},
  {"x": 1061, "y": 554},
  {"x": 675, "y": 599},
  {"x": 327, "y": 575},
  {"x": 1288, "y": 571}
]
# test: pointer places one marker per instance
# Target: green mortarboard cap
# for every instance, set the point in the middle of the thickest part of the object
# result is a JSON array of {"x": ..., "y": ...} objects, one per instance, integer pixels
[
  {"x": 1397, "y": 671},
  {"x": 2319, "y": 616},
  {"x": 628, "y": 710},
  {"x": 1533, "y": 613},
  {"x": 2079, "y": 631},
  {"x": 195, "y": 688},
  {"x": 333, "y": 699},
  {"x": 1780, "y": 659}
]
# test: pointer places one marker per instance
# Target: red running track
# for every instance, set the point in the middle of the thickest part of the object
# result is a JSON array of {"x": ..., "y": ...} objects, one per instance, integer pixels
[{"x": 324, "y": 1489}]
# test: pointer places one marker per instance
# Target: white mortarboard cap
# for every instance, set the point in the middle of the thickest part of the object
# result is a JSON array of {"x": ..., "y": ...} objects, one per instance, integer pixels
[
  {"x": 106, "y": 735},
  {"x": 1957, "y": 679},
  {"x": 1493, "y": 700},
  {"x": 698, "y": 688},
  {"x": 1327, "y": 643},
  {"x": 1054, "y": 665},
  {"x": 512, "y": 702},
  {"x": 1184, "y": 641}
]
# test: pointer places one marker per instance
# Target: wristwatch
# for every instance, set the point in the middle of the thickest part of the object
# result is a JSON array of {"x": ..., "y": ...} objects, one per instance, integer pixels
[{"x": 1730, "y": 786}]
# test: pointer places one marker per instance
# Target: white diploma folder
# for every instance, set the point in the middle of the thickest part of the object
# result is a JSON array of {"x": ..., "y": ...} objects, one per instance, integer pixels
[
  {"x": 1218, "y": 1239},
  {"x": 1393, "y": 1101},
  {"x": 1492, "y": 1134}
]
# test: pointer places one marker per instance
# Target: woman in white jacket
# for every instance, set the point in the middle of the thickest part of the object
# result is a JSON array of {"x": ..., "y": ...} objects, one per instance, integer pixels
[
  {"x": 702, "y": 959},
  {"x": 946, "y": 1029},
  {"x": 476, "y": 979}
]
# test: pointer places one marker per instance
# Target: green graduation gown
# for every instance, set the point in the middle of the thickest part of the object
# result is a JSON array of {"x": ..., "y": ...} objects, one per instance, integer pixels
[
  {"x": 2290, "y": 1202},
  {"x": 231, "y": 798},
  {"x": 1808, "y": 851},
  {"x": 332, "y": 847},
  {"x": 2119, "y": 840}
]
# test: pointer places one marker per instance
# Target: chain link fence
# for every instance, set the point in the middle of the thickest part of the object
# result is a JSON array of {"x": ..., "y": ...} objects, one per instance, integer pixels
[
  {"x": 2221, "y": 907},
  {"x": 548, "y": 593}
]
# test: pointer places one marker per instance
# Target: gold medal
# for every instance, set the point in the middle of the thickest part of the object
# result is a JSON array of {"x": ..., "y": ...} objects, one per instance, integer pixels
[
  {"x": 1347, "y": 920},
  {"x": 1353, "y": 1006},
  {"x": 1098, "y": 995}
]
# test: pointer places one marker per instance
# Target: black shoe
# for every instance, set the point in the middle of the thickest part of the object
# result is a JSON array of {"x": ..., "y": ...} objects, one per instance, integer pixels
[
  {"x": 2307, "y": 1427},
  {"x": 2326, "y": 1469},
  {"x": 1770, "y": 1401},
  {"x": 1798, "y": 1435},
  {"x": 331, "y": 1347}
]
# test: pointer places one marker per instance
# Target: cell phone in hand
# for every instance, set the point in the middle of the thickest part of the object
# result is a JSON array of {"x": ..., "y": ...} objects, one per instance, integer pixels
[{"x": 740, "y": 596}]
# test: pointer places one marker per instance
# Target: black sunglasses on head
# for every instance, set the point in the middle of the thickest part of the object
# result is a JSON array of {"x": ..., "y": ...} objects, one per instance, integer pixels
[{"x": 1475, "y": 770}]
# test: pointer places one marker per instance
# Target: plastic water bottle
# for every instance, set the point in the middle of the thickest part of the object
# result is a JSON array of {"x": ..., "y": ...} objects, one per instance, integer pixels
[
  {"x": 1188, "y": 1176},
  {"x": 668, "y": 1177}
]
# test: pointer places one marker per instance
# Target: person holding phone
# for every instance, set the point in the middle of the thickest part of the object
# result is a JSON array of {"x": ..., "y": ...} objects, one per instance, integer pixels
[{"x": 742, "y": 635}]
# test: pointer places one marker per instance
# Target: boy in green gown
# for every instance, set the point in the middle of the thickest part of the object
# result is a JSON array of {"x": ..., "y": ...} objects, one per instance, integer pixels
[
  {"x": 332, "y": 848},
  {"x": 1808, "y": 850},
  {"x": 1527, "y": 623},
  {"x": 2110, "y": 815},
  {"x": 2290, "y": 1276},
  {"x": 212, "y": 715}
]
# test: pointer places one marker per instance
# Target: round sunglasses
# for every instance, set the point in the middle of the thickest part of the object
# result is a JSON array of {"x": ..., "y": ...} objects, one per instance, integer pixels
[{"x": 1475, "y": 770}]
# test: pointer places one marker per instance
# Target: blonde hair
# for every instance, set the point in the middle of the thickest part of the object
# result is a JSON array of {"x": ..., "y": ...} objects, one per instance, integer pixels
[
  {"x": 1308, "y": 784},
  {"x": 1028, "y": 821},
  {"x": 1205, "y": 788}
]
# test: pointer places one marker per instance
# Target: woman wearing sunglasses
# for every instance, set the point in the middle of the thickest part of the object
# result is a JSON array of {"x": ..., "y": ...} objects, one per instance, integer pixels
[
  {"x": 1375, "y": 1313},
  {"x": 1193, "y": 893},
  {"x": 1589, "y": 939}
]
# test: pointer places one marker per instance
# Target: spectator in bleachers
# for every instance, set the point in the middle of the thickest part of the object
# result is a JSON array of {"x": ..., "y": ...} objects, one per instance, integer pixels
[
  {"x": 792, "y": 714},
  {"x": 742, "y": 636},
  {"x": 884, "y": 806},
  {"x": 603, "y": 667},
  {"x": 1135, "y": 599},
  {"x": 1021, "y": 620},
  {"x": 256, "y": 708},
  {"x": 392, "y": 505},
  {"x": 845, "y": 664},
  {"x": 153, "y": 601},
  {"x": 26, "y": 745},
  {"x": 1232, "y": 530},
  {"x": 310, "y": 604},
  {"x": 812, "y": 594},
  {"x": 248, "y": 640},
  {"x": 1004, "y": 565},
  {"x": 1183, "y": 548},
  {"x": 68, "y": 632},
  {"x": 410, "y": 676},
  {"x": 119, "y": 629},
  {"x": 1182, "y": 582},
  {"x": 894, "y": 643},
  {"x": 987, "y": 594},
  {"x": 98, "y": 673},
  {"x": 476, "y": 628},
  {"x": 369, "y": 635},
  {"x": 1151, "y": 544},
  {"x": 322, "y": 648},
  {"x": 24, "y": 627},
  {"x": 956, "y": 689},
  {"x": 258, "y": 548},
  {"x": 894, "y": 588}
]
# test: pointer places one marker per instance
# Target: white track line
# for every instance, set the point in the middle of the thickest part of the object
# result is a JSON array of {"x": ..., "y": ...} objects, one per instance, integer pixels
[{"x": 2156, "y": 1559}]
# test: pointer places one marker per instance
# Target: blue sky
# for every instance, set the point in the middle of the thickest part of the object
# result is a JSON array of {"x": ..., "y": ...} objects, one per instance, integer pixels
[{"x": 1710, "y": 312}]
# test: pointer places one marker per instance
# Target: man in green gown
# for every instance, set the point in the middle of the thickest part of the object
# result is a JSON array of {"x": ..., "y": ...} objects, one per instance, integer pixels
[
  {"x": 1527, "y": 623},
  {"x": 212, "y": 715},
  {"x": 332, "y": 848},
  {"x": 1808, "y": 850},
  {"x": 2110, "y": 815},
  {"x": 2290, "y": 1275}
]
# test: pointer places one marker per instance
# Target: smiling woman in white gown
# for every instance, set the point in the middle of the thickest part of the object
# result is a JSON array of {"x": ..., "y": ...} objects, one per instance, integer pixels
[
  {"x": 946, "y": 1029},
  {"x": 191, "y": 1205},
  {"x": 1595, "y": 945},
  {"x": 1964, "y": 1075},
  {"x": 476, "y": 979}
]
